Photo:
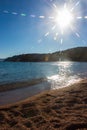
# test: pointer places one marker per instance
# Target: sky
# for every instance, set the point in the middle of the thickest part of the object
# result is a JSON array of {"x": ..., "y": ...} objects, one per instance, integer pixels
[{"x": 26, "y": 26}]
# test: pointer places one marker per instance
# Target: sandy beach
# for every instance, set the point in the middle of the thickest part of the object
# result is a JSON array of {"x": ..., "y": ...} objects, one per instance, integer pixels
[{"x": 62, "y": 109}]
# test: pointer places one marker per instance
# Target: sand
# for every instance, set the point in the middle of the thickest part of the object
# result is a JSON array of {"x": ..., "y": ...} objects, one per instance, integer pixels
[{"x": 62, "y": 109}]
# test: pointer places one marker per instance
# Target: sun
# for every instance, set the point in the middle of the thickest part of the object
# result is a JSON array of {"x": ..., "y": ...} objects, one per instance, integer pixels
[{"x": 64, "y": 18}]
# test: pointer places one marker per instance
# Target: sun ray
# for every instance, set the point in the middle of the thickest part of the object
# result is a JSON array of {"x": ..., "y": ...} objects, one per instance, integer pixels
[
  {"x": 64, "y": 18},
  {"x": 23, "y": 14},
  {"x": 46, "y": 34},
  {"x": 62, "y": 31},
  {"x": 77, "y": 3},
  {"x": 55, "y": 38},
  {"x": 42, "y": 17},
  {"x": 54, "y": 5},
  {"x": 79, "y": 17},
  {"x": 56, "y": 34},
  {"x": 14, "y": 13},
  {"x": 61, "y": 40},
  {"x": 85, "y": 17},
  {"x": 33, "y": 15},
  {"x": 65, "y": 6},
  {"x": 53, "y": 27},
  {"x": 77, "y": 34},
  {"x": 60, "y": 20},
  {"x": 50, "y": 17}
]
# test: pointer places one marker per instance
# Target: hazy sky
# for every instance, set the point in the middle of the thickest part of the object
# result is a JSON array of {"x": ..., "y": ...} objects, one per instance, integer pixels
[{"x": 26, "y": 27}]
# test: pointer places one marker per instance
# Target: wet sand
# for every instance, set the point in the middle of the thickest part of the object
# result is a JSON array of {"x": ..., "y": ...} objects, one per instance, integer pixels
[
  {"x": 19, "y": 93},
  {"x": 62, "y": 109}
]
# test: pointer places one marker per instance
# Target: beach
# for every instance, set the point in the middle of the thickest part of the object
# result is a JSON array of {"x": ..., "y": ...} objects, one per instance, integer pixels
[{"x": 62, "y": 109}]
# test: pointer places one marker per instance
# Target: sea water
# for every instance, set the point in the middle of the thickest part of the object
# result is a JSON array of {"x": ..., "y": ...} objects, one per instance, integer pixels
[{"x": 57, "y": 73}]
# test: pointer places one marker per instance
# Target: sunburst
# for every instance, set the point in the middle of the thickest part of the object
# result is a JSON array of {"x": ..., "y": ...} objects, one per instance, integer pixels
[{"x": 63, "y": 18}]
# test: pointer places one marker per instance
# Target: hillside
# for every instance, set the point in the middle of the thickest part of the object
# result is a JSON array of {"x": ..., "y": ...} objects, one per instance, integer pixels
[{"x": 73, "y": 54}]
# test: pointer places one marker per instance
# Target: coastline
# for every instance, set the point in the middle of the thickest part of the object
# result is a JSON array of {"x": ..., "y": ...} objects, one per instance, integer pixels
[
  {"x": 62, "y": 109},
  {"x": 19, "y": 84},
  {"x": 19, "y": 91},
  {"x": 11, "y": 93}
]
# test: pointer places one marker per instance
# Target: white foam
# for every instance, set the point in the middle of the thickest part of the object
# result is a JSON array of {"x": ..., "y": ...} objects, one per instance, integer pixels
[{"x": 60, "y": 81}]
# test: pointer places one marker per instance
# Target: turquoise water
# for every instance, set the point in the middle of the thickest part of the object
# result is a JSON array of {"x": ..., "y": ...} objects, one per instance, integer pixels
[{"x": 55, "y": 72}]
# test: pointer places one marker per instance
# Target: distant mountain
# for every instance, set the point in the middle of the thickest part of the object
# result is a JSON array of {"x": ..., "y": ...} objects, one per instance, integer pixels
[{"x": 73, "y": 54}]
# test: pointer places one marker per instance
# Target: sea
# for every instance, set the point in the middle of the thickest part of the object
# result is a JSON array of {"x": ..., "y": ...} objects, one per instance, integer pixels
[{"x": 58, "y": 74}]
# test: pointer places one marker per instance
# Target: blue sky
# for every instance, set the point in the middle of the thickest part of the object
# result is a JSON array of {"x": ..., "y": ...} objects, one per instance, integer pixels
[{"x": 21, "y": 32}]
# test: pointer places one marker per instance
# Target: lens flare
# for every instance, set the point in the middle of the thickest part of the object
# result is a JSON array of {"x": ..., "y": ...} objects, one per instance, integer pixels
[{"x": 64, "y": 18}]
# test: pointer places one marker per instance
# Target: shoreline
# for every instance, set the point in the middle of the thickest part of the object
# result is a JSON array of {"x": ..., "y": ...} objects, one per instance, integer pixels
[
  {"x": 62, "y": 109},
  {"x": 38, "y": 94},
  {"x": 20, "y": 91},
  {"x": 20, "y": 84}
]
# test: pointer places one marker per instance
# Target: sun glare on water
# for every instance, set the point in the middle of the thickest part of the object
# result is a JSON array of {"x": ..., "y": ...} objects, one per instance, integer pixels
[{"x": 64, "y": 77}]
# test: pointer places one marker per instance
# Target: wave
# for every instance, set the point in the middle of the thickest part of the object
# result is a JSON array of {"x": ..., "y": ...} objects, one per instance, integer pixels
[{"x": 58, "y": 81}]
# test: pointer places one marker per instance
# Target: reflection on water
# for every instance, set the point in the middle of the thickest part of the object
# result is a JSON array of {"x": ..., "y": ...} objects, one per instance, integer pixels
[
  {"x": 64, "y": 76},
  {"x": 57, "y": 73}
]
